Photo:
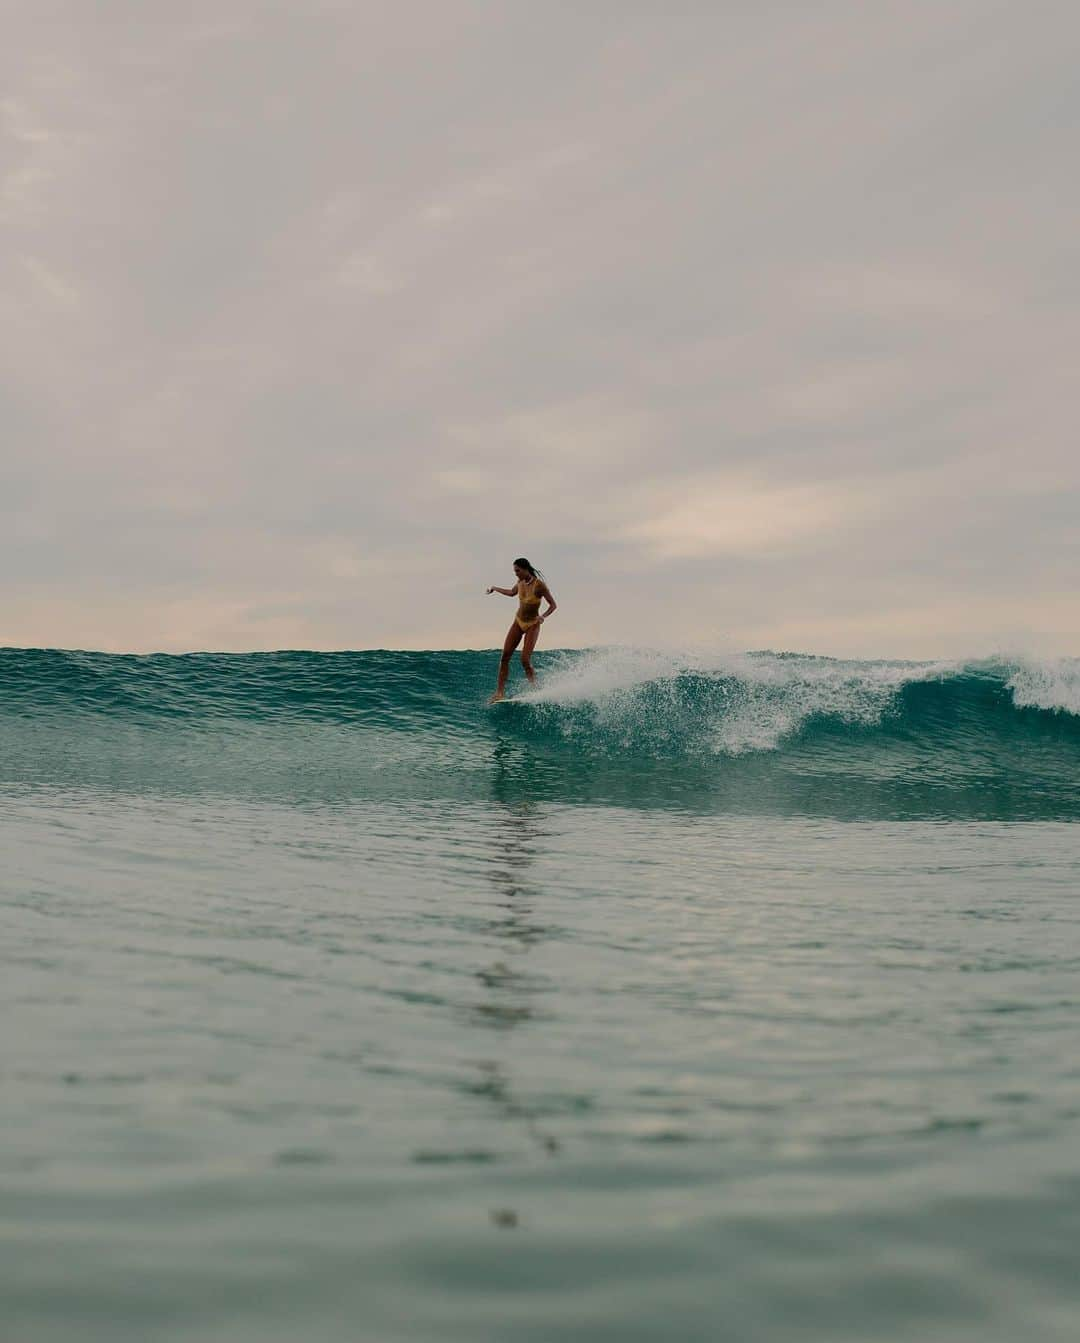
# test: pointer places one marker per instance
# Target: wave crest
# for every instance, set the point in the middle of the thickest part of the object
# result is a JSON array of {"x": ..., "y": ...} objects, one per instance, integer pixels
[
  {"x": 1052, "y": 684},
  {"x": 766, "y": 731},
  {"x": 732, "y": 705}
]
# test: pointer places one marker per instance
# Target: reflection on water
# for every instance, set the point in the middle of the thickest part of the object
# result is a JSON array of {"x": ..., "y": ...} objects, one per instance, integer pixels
[
  {"x": 310, "y": 1065},
  {"x": 511, "y": 993}
]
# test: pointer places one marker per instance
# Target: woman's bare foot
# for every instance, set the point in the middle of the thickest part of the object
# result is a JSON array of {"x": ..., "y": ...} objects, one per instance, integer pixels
[{"x": 498, "y": 695}]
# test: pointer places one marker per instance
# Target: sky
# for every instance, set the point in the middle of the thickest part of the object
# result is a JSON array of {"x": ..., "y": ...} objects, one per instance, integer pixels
[{"x": 753, "y": 323}]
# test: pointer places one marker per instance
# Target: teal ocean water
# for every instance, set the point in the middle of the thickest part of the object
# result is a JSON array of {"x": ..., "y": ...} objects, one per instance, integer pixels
[{"x": 682, "y": 998}]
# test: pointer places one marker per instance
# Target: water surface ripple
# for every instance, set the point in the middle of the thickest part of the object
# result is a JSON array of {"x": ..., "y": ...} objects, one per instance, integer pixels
[{"x": 324, "y": 1022}]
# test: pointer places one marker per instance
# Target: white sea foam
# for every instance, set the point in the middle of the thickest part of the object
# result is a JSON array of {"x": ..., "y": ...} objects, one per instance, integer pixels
[
  {"x": 748, "y": 702},
  {"x": 604, "y": 673},
  {"x": 778, "y": 695},
  {"x": 1046, "y": 683}
]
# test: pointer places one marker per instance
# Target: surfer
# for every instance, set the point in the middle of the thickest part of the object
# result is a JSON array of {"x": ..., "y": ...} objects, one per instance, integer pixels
[{"x": 530, "y": 589}]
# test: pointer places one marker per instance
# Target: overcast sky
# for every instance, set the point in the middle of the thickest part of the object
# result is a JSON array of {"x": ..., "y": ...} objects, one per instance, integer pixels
[{"x": 752, "y": 322}]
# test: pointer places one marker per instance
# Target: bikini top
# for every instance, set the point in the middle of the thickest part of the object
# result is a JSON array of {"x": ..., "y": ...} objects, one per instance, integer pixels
[{"x": 529, "y": 600}]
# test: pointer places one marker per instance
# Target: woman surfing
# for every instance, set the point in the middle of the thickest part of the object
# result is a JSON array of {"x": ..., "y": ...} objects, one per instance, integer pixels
[{"x": 530, "y": 589}]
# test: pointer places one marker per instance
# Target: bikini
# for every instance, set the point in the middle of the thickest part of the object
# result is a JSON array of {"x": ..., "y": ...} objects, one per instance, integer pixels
[{"x": 528, "y": 612}]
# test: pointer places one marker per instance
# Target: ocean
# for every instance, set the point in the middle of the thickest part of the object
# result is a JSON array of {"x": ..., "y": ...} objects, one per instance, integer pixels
[{"x": 684, "y": 997}]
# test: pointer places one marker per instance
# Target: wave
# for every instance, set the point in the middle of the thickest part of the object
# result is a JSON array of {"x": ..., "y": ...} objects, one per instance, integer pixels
[
  {"x": 1051, "y": 684},
  {"x": 613, "y": 723},
  {"x": 728, "y": 706}
]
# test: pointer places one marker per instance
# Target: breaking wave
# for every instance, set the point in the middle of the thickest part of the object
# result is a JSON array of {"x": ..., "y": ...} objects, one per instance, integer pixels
[{"x": 996, "y": 737}]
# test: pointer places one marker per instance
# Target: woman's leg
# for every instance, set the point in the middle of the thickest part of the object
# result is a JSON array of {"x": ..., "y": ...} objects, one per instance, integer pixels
[
  {"x": 513, "y": 638},
  {"x": 531, "y": 636}
]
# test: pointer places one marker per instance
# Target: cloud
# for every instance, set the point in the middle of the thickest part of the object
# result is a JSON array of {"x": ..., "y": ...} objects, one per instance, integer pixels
[
  {"x": 752, "y": 321},
  {"x": 738, "y": 517}
]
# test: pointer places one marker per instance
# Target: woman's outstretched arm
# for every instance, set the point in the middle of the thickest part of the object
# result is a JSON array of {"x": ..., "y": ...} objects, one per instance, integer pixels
[{"x": 506, "y": 592}]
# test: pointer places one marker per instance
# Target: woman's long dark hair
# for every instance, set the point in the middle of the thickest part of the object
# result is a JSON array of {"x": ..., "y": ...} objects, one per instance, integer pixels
[{"x": 523, "y": 563}]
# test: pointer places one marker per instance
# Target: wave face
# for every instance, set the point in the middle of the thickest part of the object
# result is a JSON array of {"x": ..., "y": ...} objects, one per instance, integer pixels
[{"x": 762, "y": 732}]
